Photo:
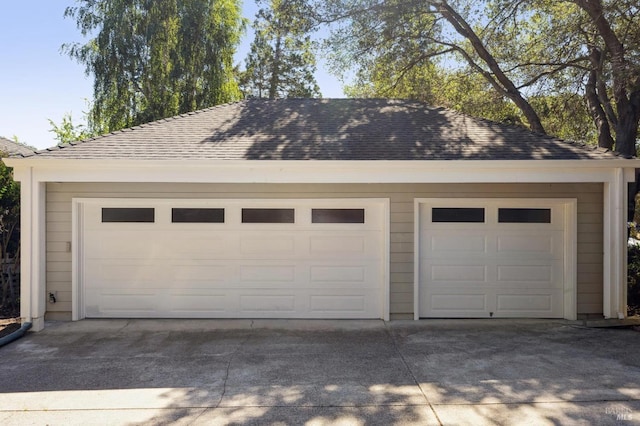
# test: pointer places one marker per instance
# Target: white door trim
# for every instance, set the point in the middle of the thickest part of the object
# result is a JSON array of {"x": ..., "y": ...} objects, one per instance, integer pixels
[
  {"x": 78, "y": 308},
  {"x": 570, "y": 206}
]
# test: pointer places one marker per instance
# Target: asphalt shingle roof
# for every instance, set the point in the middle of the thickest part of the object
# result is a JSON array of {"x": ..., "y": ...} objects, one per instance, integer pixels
[
  {"x": 9, "y": 147},
  {"x": 324, "y": 129}
]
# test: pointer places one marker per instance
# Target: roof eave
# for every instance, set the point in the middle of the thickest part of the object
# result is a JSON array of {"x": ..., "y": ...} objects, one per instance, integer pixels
[
  {"x": 35, "y": 161},
  {"x": 300, "y": 171}
]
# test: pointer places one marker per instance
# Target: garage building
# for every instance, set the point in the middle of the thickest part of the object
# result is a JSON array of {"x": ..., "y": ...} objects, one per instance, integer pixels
[{"x": 338, "y": 208}]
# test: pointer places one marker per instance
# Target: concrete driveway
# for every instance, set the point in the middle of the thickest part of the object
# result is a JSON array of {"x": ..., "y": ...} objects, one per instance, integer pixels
[{"x": 321, "y": 372}]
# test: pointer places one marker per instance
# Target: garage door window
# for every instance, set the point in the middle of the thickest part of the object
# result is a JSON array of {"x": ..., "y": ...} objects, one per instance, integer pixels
[
  {"x": 514, "y": 215},
  {"x": 129, "y": 214},
  {"x": 191, "y": 215},
  {"x": 268, "y": 216},
  {"x": 337, "y": 216},
  {"x": 457, "y": 214}
]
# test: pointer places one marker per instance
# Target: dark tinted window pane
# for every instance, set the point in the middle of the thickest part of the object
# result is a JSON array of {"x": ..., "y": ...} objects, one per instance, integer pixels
[
  {"x": 129, "y": 214},
  {"x": 457, "y": 214},
  {"x": 524, "y": 215},
  {"x": 180, "y": 215},
  {"x": 268, "y": 216},
  {"x": 337, "y": 215}
]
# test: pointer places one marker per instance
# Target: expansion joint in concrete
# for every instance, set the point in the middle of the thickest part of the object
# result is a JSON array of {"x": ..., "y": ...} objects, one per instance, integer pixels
[{"x": 413, "y": 376}]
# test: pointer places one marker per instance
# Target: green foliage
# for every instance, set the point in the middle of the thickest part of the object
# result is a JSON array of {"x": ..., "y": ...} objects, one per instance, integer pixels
[
  {"x": 9, "y": 195},
  {"x": 281, "y": 63},
  {"x": 67, "y": 132},
  {"x": 633, "y": 279},
  {"x": 9, "y": 227},
  {"x": 154, "y": 59},
  {"x": 471, "y": 94},
  {"x": 535, "y": 56},
  {"x": 415, "y": 33},
  {"x": 389, "y": 78},
  {"x": 384, "y": 42},
  {"x": 461, "y": 90},
  {"x": 565, "y": 115}
]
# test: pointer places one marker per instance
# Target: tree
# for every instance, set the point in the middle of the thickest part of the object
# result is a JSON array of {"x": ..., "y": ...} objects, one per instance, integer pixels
[
  {"x": 526, "y": 50},
  {"x": 460, "y": 90},
  {"x": 419, "y": 32},
  {"x": 623, "y": 65},
  {"x": 585, "y": 47},
  {"x": 154, "y": 59},
  {"x": 9, "y": 229},
  {"x": 67, "y": 132},
  {"x": 281, "y": 63}
]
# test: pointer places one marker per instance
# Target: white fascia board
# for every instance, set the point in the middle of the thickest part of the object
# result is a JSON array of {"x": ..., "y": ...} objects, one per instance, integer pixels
[{"x": 304, "y": 171}]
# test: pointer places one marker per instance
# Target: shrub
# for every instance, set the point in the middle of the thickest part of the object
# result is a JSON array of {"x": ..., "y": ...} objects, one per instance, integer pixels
[{"x": 633, "y": 280}]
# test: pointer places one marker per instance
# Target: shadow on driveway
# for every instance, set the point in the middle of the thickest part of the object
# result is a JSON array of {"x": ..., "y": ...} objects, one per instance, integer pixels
[{"x": 321, "y": 372}]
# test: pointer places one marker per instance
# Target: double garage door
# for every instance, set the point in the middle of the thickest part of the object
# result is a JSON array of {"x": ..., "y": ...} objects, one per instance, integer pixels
[{"x": 232, "y": 258}]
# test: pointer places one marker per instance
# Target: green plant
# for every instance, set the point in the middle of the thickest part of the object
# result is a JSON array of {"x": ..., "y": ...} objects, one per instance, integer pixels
[{"x": 633, "y": 280}]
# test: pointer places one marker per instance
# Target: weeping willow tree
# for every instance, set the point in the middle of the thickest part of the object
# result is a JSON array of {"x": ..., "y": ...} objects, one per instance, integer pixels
[{"x": 152, "y": 59}]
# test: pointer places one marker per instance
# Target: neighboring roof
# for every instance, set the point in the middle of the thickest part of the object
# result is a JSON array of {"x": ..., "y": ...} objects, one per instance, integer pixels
[
  {"x": 325, "y": 129},
  {"x": 9, "y": 147}
]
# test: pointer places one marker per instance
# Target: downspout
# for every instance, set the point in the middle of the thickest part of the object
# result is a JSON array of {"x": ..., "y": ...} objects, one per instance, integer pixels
[{"x": 16, "y": 334}]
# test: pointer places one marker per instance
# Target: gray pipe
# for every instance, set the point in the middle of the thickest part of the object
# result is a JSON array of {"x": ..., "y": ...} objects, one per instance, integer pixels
[{"x": 15, "y": 335}]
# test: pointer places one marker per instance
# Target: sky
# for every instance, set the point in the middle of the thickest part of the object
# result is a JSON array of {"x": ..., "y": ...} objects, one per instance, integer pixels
[{"x": 38, "y": 82}]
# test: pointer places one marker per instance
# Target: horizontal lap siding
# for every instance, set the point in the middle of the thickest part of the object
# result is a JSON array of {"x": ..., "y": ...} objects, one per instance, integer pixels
[{"x": 402, "y": 196}]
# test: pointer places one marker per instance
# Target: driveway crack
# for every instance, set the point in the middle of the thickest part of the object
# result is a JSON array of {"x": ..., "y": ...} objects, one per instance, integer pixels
[
  {"x": 226, "y": 375},
  {"x": 413, "y": 376},
  {"x": 226, "y": 378},
  {"x": 125, "y": 326}
]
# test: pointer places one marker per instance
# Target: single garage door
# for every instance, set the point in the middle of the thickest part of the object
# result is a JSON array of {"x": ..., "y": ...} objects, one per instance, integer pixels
[
  {"x": 232, "y": 258},
  {"x": 492, "y": 258}
]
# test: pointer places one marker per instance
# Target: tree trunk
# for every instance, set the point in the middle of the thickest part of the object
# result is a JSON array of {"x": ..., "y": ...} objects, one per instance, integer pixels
[
  {"x": 628, "y": 105},
  {"x": 627, "y": 131},
  {"x": 594, "y": 96},
  {"x": 605, "y": 140},
  {"x": 275, "y": 69},
  {"x": 508, "y": 88}
]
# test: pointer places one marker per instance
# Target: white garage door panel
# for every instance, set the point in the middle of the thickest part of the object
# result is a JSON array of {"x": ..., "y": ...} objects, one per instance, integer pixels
[
  {"x": 231, "y": 269},
  {"x": 268, "y": 302},
  {"x": 199, "y": 271},
  {"x": 462, "y": 302},
  {"x": 341, "y": 274},
  {"x": 526, "y": 243},
  {"x": 268, "y": 246},
  {"x": 444, "y": 242},
  {"x": 197, "y": 304},
  {"x": 543, "y": 303},
  {"x": 489, "y": 268},
  {"x": 463, "y": 272}
]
